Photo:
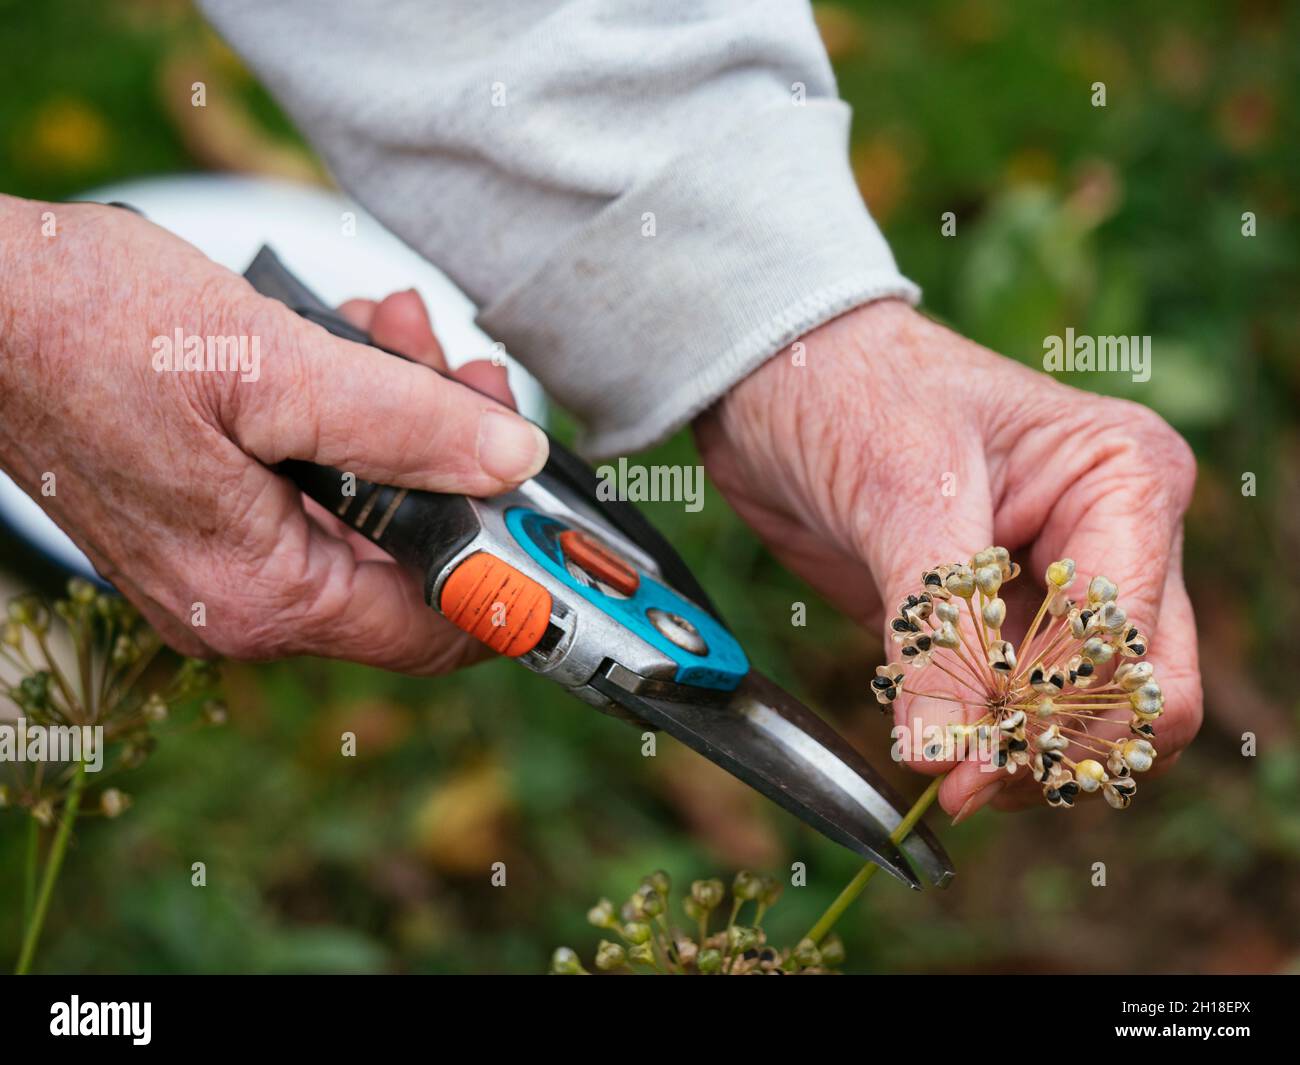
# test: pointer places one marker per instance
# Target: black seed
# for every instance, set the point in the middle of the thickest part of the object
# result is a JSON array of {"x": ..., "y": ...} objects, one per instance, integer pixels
[
  {"x": 1057, "y": 681},
  {"x": 1085, "y": 668},
  {"x": 1053, "y": 795},
  {"x": 923, "y": 643},
  {"x": 881, "y": 682},
  {"x": 909, "y": 652},
  {"x": 1036, "y": 677},
  {"x": 1070, "y": 789},
  {"x": 900, "y": 625},
  {"x": 1017, "y": 745}
]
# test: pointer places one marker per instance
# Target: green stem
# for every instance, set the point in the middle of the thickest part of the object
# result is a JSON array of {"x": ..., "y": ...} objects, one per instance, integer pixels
[
  {"x": 29, "y": 867},
  {"x": 854, "y": 887},
  {"x": 52, "y": 865}
]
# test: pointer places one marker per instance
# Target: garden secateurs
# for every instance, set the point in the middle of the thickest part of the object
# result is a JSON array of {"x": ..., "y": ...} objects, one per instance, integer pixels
[{"x": 585, "y": 592}]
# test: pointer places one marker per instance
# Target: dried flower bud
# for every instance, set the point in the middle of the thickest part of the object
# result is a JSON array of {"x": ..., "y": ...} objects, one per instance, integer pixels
[
  {"x": 1090, "y": 774},
  {"x": 806, "y": 954},
  {"x": 1132, "y": 675},
  {"x": 961, "y": 581},
  {"x": 610, "y": 956},
  {"x": 708, "y": 893},
  {"x": 988, "y": 579},
  {"x": 746, "y": 886},
  {"x": 1060, "y": 574},
  {"x": 637, "y": 932},
  {"x": 1138, "y": 755},
  {"x": 113, "y": 803},
  {"x": 564, "y": 962},
  {"x": 1101, "y": 590},
  {"x": 602, "y": 915}
]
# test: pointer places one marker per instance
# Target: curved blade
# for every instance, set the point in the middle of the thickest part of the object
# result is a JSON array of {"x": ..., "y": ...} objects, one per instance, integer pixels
[{"x": 775, "y": 744}]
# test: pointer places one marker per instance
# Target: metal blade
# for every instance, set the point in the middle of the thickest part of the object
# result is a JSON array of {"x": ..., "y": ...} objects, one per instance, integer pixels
[{"x": 775, "y": 744}]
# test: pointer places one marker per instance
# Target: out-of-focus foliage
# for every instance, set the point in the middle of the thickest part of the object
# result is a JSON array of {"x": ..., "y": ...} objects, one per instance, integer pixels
[{"x": 1117, "y": 220}]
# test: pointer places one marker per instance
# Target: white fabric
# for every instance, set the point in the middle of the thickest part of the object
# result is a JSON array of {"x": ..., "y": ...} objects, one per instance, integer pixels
[{"x": 529, "y": 148}]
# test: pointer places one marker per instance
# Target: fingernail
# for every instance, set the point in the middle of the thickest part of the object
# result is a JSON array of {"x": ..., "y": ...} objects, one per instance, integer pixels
[
  {"x": 510, "y": 448},
  {"x": 980, "y": 799}
]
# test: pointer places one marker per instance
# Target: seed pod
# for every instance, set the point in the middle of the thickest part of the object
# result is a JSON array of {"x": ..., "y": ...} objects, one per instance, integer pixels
[
  {"x": 641, "y": 954},
  {"x": 961, "y": 581},
  {"x": 1148, "y": 700},
  {"x": 806, "y": 954},
  {"x": 832, "y": 951},
  {"x": 564, "y": 962},
  {"x": 1061, "y": 574},
  {"x": 636, "y": 932},
  {"x": 610, "y": 956},
  {"x": 946, "y": 635},
  {"x": 994, "y": 613},
  {"x": 660, "y": 881},
  {"x": 1002, "y": 656},
  {"x": 1045, "y": 708},
  {"x": 1119, "y": 793},
  {"x": 932, "y": 582},
  {"x": 1101, "y": 590},
  {"x": 1050, "y": 739},
  {"x": 708, "y": 893},
  {"x": 1112, "y": 617},
  {"x": 1080, "y": 622},
  {"x": 988, "y": 579},
  {"x": 1013, "y": 722},
  {"x": 709, "y": 961},
  {"x": 687, "y": 950},
  {"x": 1097, "y": 651},
  {"x": 1132, "y": 675},
  {"x": 947, "y": 611},
  {"x": 602, "y": 914},
  {"x": 1090, "y": 774},
  {"x": 1138, "y": 755},
  {"x": 987, "y": 557},
  {"x": 741, "y": 938},
  {"x": 1047, "y": 682},
  {"x": 1134, "y": 645},
  {"x": 916, "y": 607},
  {"x": 746, "y": 886},
  {"x": 113, "y": 803}
]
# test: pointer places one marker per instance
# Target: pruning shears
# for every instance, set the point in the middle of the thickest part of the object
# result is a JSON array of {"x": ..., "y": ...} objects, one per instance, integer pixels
[{"x": 585, "y": 592}]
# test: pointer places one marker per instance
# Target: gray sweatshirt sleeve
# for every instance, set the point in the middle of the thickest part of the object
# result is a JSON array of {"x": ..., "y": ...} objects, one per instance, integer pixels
[{"x": 645, "y": 198}]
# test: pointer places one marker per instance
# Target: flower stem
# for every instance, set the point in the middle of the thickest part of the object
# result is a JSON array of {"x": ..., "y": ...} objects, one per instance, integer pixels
[
  {"x": 29, "y": 867},
  {"x": 854, "y": 887},
  {"x": 52, "y": 865}
]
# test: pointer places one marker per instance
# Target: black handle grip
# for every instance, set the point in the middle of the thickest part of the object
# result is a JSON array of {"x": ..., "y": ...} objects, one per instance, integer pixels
[{"x": 427, "y": 529}]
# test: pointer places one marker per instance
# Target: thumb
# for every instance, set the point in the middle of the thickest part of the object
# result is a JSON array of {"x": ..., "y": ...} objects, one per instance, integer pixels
[
  {"x": 321, "y": 399},
  {"x": 938, "y": 684}
]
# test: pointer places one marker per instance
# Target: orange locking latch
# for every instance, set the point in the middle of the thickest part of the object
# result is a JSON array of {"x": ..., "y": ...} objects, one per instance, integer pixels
[{"x": 495, "y": 603}]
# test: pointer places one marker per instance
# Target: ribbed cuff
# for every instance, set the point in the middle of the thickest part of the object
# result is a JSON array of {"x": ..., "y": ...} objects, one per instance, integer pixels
[{"x": 758, "y": 238}]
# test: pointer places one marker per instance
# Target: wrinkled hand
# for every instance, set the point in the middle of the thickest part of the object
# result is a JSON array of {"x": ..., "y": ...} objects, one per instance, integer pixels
[
  {"x": 162, "y": 478},
  {"x": 840, "y": 465}
]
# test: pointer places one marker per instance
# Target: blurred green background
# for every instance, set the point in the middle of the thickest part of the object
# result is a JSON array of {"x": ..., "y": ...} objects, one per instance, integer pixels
[{"x": 1122, "y": 220}]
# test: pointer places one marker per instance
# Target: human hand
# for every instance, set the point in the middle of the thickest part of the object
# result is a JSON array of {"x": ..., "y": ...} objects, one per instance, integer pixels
[
  {"x": 840, "y": 466},
  {"x": 162, "y": 478}
]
